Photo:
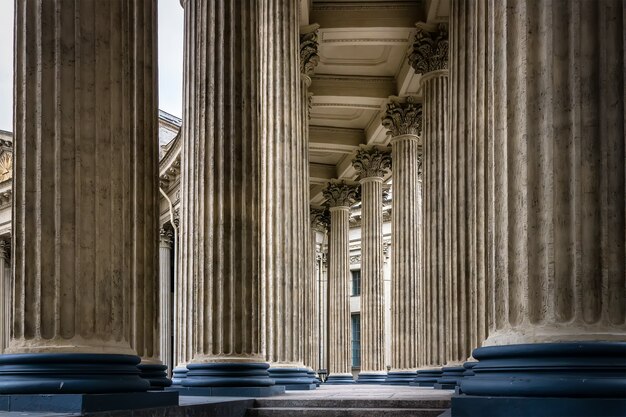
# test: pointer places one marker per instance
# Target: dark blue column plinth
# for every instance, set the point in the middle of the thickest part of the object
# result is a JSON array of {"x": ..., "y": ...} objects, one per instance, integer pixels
[
  {"x": 178, "y": 374},
  {"x": 427, "y": 377},
  {"x": 293, "y": 379},
  {"x": 339, "y": 379},
  {"x": 450, "y": 377},
  {"x": 315, "y": 378},
  {"x": 400, "y": 378},
  {"x": 70, "y": 373},
  {"x": 545, "y": 380},
  {"x": 469, "y": 368},
  {"x": 156, "y": 374},
  {"x": 365, "y": 378},
  {"x": 229, "y": 379},
  {"x": 76, "y": 383}
]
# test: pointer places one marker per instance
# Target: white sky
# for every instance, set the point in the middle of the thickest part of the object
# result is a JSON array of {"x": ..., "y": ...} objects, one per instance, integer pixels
[{"x": 170, "y": 59}]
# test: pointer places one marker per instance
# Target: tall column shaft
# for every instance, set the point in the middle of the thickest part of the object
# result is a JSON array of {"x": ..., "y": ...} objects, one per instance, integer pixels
[
  {"x": 165, "y": 295},
  {"x": 466, "y": 159},
  {"x": 558, "y": 173},
  {"x": 438, "y": 301},
  {"x": 76, "y": 151},
  {"x": 83, "y": 120},
  {"x": 372, "y": 164},
  {"x": 221, "y": 219},
  {"x": 5, "y": 296},
  {"x": 282, "y": 226},
  {"x": 555, "y": 183},
  {"x": 320, "y": 219},
  {"x": 339, "y": 350},
  {"x": 372, "y": 283},
  {"x": 308, "y": 61},
  {"x": 340, "y": 196},
  {"x": 403, "y": 120}
]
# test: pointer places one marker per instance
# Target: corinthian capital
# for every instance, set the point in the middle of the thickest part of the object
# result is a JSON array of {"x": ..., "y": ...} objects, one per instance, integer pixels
[
  {"x": 320, "y": 218},
  {"x": 341, "y": 193},
  {"x": 372, "y": 162},
  {"x": 430, "y": 49},
  {"x": 403, "y": 116},
  {"x": 308, "y": 49}
]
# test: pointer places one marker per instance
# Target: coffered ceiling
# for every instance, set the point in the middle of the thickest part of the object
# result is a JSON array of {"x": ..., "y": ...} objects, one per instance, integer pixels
[{"x": 362, "y": 52}]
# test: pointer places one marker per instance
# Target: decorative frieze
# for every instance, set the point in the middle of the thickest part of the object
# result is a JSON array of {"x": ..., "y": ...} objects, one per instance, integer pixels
[
  {"x": 430, "y": 48},
  {"x": 372, "y": 162},
  {"x": 403, "y": 116}
]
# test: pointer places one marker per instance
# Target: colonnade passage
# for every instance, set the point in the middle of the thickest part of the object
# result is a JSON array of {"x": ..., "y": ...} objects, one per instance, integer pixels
[{"x": 499, "y": 156}]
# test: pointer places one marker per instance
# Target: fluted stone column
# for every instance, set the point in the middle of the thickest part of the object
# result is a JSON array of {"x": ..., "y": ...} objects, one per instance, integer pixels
[
  {"x": 221, "y": 220},
  {"x": 444, "y": 300},
  {"x": 372, "y": 164},
  {"x": 284, "y": 188},
  {"x": 556, "y": 177},
  {"x": 320, "y": 220},
  {"x": 308, "y": 61},
  {"x": 339, "y": 197},
  {"x": 403, "y": 121},
  {"x": 166, "y": 242},
  {"x": 83, "y": 121},
  {"x": 5, "y": 296}
]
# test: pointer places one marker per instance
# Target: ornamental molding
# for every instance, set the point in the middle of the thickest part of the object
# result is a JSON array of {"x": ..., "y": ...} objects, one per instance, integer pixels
[
  {"x": 309, "y": 45},
  {"x": 429, "y": 51},
  {"x": 320, "y": 219},
  {"x": 341, "y": 194},
  {"x": 355, "y": 259},
  {"x": 403, "y": 116},
  {"x": 372, "y": 162},
  {"x": 6, "y": 198},
  {"x": 6, "y": 165}
]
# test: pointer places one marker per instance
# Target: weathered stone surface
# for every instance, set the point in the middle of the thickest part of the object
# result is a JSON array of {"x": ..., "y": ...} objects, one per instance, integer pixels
[
  {"x": 372, "y": 164},
  {"x": 340, "y": 196},
  {"x": 220, "y": 222},
  {"x": 166, "y": 243},
  {"x": 404, "y": 122},
  {"x": 83, "y": 121}
]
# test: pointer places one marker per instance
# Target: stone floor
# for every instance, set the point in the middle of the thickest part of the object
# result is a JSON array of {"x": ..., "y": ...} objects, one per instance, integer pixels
[{"x": 327, "y": 396}]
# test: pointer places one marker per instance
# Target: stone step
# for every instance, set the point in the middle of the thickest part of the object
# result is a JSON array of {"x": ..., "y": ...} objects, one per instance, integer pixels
[
  {"x": 365, "y": 402},
  {"x": 343, "y": 412}
]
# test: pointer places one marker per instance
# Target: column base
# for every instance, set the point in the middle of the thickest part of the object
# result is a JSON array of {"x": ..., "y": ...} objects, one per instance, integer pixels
[
  {"x": 400, "y": 378},
  {"x": 427, "y": 377},
  {"x": 87, "y": 403},
  {"x": 371, "y": 378},
  {"x": 250, "y": 376},
  {"x": 471, "y": 406},
  {"x": 315, "y": 378},
  {"x": 238, "y": 391},
  {"x": 156, "y": 374},
  {"x": 178, "y": 374},
  {"x": 339, "y": 379},
  {"x": 546, "y": 379},
  {"x": 70, "y": 373},
  {"x": 450, "y": 378},
  {"x": 293, "y": 379}
]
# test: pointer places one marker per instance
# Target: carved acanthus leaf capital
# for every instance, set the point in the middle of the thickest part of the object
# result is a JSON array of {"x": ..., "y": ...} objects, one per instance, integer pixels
[
  {"x": 430, "y": 49},
  {"x": 308, "y": 49},
  {"x": 372, "y": 162},
  {"x": 341, "y": 193},
  {"x": 320, "y": 218},
  {"x": 166, "y": 235},
  {"x": 403, "y": 116}
]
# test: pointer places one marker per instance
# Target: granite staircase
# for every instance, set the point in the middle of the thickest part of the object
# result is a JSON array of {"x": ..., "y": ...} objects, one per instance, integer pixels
[{"x": 285, "y": 407}]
